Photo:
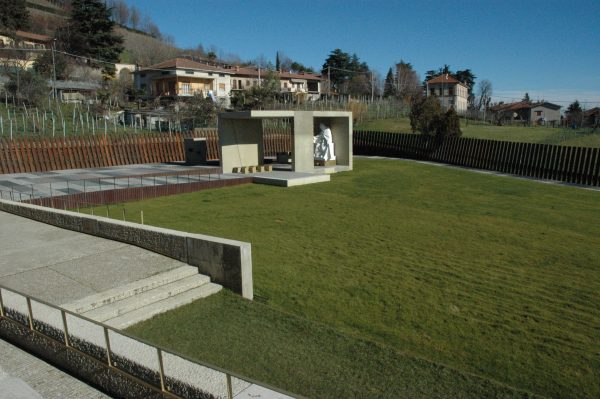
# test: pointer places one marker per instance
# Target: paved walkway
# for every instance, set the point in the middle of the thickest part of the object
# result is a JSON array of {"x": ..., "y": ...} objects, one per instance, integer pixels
[
  {"x": 61, "y": 266},
  {"x": 23, "y": 376}
]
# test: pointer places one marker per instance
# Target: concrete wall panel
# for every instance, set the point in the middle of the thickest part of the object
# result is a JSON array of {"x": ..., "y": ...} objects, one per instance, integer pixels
[{"x": 227, "y": 262}]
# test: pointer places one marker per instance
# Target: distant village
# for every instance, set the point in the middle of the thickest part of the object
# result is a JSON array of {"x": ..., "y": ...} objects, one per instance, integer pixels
[{"x": 179, "y": 78}]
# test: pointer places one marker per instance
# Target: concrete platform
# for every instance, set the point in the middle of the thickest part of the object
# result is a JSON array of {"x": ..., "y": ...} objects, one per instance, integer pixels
[
  {"x": 24, "y": 186},
  {"x": 289, "y": 179}
]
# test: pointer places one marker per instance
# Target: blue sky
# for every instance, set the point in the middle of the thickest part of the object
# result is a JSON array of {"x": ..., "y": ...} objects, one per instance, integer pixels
[{"x": 550, "y": 49}]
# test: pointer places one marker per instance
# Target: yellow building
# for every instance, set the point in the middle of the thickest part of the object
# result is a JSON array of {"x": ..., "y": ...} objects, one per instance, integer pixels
[
  {"x": 181, "y": 77},
  {"x": 22, "y": 51}
]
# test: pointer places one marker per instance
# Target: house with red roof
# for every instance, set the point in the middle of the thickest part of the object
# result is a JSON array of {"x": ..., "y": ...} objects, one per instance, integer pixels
[
  {"x": 294, "y": 86},
  {"x": 591, "y": 117},
  {"x": 450, "y": 91},
  {"x": 527, "y": 112},
  {"x": 182, "y": 77}
]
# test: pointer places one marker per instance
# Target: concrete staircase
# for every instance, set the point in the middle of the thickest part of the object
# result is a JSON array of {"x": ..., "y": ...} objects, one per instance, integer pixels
[{"x": 132, "y": 303}]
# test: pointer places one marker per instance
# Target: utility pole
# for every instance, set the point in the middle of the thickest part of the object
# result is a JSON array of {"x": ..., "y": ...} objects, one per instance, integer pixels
[
  {"x": 372, "y": 88},
  {"x": 328, "y": 81}
]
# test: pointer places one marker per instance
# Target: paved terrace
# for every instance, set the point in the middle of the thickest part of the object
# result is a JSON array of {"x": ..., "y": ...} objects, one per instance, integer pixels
[
  {"x": 23, "y": 186},
  {"x": 60, "y": 266}
]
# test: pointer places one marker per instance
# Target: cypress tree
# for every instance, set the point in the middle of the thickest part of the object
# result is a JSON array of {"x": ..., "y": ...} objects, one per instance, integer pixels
[{"x": 389, "y": 89}]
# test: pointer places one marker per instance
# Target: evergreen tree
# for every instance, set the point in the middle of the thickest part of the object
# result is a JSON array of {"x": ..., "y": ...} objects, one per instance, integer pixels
[
  {"x": 14, "y": 16},
  {"x": 277, "y": 62},
  {"x": 389, "y": 88},
  {"x": 345, "y": 71},
  {"x": 575, "y": 114},
  {"x": 90, "y": 33},
  {"x": 427, "y": 117},
  {"x": 526, "y": 98}
]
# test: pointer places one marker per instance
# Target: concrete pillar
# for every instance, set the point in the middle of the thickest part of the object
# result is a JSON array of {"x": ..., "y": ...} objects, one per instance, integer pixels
[
  {"x": 241, "y": 143},
  {"x": 302, "y": 142}
]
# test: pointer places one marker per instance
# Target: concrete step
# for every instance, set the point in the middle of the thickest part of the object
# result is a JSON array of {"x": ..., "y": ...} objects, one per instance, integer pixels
[
  {"x": 128, "y": 290},
  {"x": 148, "y": 311},
  {"x": 140, "y": 300}
]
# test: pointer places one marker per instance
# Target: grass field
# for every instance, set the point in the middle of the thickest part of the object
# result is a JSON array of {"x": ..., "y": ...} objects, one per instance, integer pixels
[
  {"x": 393, "y": 263},
  {"x": 534, "y": 134}
]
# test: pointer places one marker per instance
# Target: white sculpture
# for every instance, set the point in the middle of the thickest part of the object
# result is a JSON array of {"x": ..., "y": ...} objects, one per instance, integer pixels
[{"x": 323, "y": 144}]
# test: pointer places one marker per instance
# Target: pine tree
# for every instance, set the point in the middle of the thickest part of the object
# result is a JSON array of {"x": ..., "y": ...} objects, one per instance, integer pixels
[
  {"x": 14, "y": 16},
  {"x": 526, "y": 98},
  {"x": 90, "y": 33},
  {"x": 389, "y": 88}
]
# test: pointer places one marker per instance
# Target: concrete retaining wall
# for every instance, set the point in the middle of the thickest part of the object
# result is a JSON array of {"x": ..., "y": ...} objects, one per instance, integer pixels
[{"x": 227, "y": 262}]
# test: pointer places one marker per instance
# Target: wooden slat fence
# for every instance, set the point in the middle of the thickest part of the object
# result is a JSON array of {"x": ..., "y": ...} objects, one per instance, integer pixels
[
  {"x": 42, "y": 154},
  {"x": 578, "y": 165}
]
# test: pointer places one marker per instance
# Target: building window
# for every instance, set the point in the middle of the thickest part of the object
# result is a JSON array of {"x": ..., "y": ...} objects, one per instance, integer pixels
[
  {"x": 164, "y": 72},
  {"x": 189, "y": 72},
  {"x": 210, "y": 74},
  {"x": 221, "y": 86},
  {"x": 538, "y": 113},
  {"x": 142, "y": 75},
  {"x": 185, "y": 88},
  {"x": 222, "y": 75},
  {"x": 247, "y": 82},
  {"x": 450, "y": 93}
]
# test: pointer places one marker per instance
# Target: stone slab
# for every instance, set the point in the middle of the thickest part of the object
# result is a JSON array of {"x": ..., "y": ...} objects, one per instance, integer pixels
[{"x": 25, "y": 376}]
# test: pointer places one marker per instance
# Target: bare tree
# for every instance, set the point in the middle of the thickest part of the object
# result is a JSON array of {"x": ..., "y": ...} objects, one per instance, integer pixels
[
  {"x": 146, "y": 50},
  {"x": 484, "y": 94},
  {"x": 134, "y": 17},
  {"x": 154, "y": 31},
  {"x": 262, "y": 62},
  {"x": 408, "y": 81},
  {"x": 120, "y": 11}
]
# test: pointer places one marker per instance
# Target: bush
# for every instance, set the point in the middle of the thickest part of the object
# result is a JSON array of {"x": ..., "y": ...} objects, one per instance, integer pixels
[
  {"x": 27, "y": 86},
  {"x": 427, "y": 117}
]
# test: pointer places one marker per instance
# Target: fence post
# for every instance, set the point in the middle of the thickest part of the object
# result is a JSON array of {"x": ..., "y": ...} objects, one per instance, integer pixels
[
  {"x": 229, "y": 387},
  {"x": 65, "y": 327},
  {"x": 30, "y": 313},
  {"x": 1, "y": 305},
  {"x": 161, "y": 369},
  {"x": 107, "y": 340}
]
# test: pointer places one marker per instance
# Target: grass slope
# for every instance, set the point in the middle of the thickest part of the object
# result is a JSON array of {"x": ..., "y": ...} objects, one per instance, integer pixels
[
  {"x": 305, "y": 357},
  {"x": 490, "y": 275},
  {"x": 534, "y": 134}
]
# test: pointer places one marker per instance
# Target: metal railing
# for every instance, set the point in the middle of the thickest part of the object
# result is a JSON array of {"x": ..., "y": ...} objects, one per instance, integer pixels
[{"x": 153, "y": 366}]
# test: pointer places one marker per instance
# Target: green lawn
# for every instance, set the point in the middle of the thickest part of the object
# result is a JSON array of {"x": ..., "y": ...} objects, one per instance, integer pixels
[
  {"x": 396, "y": 262},
  {"x": 534, "y": 134}
]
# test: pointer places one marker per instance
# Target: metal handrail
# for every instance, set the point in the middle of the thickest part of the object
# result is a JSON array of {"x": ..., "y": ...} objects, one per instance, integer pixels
[{"x": 159, "y": 350}]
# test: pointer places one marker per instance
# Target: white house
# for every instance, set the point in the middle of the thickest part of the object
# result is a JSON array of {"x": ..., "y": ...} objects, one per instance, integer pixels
[
  {"x": 181, "y": 77},
  {"x": 450, "y": 91}
]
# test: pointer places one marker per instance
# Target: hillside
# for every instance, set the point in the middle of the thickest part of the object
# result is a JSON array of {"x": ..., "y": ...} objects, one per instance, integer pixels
[{"x": 140, "y": 47}]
